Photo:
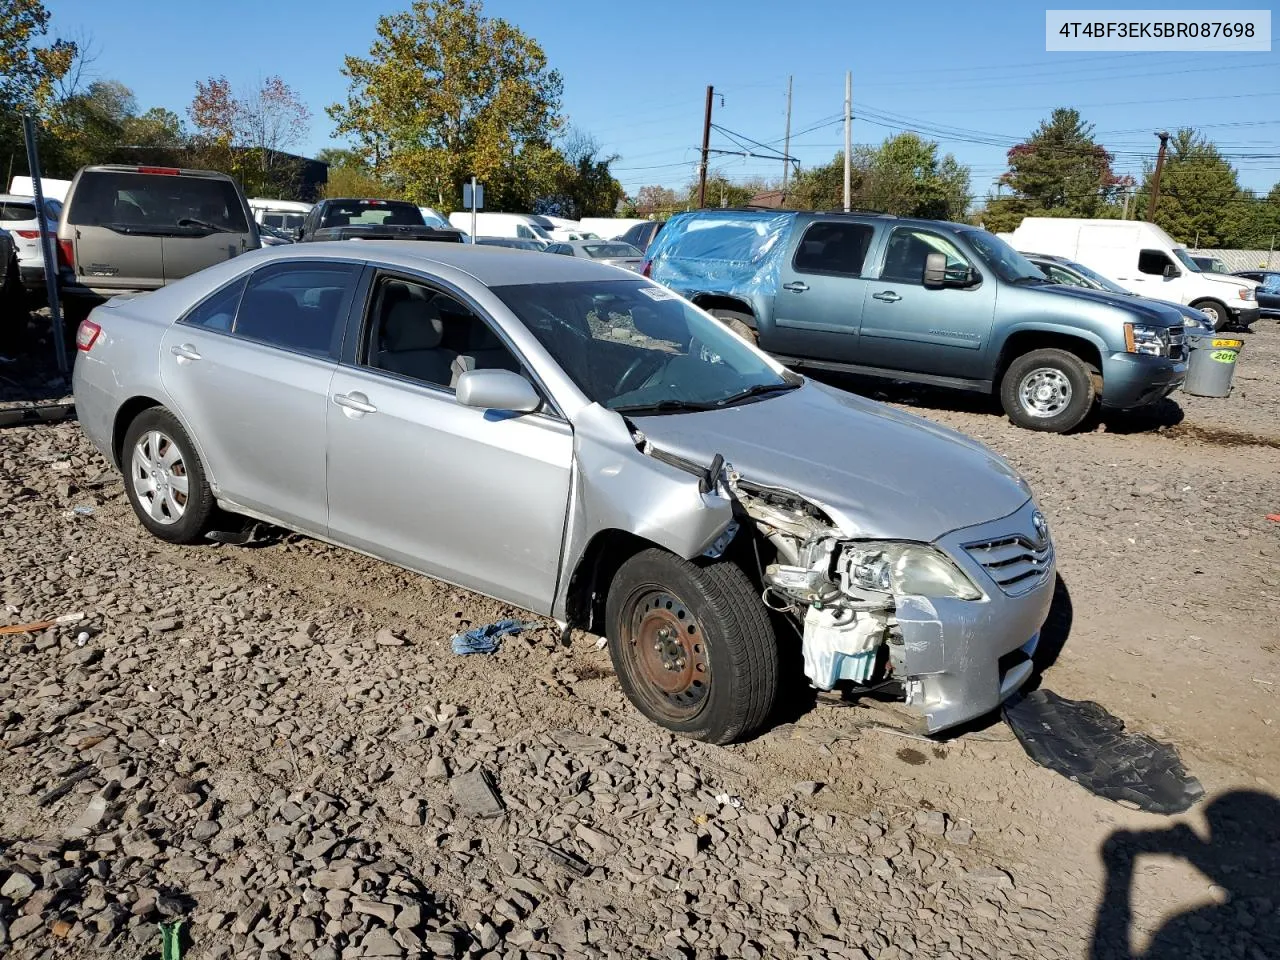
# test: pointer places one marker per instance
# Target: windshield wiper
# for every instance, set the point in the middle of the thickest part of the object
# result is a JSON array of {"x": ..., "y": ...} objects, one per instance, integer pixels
[
  {"x": 193, "y": 222},
  {"x": 666, "y": 406},
  {"x": 757, "y": 390}
]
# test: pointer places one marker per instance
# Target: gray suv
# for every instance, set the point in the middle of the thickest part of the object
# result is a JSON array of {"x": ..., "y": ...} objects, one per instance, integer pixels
[
  {"x": 128, "y": 229},
  {"x": 926, "y": 301}
]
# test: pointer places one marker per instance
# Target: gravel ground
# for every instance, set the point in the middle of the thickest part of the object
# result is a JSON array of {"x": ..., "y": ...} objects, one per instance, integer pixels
[{"x": 276, "y": 744}]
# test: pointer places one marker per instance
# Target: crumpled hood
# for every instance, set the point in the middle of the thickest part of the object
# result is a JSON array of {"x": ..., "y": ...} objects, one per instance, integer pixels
[
  {"x": 1147, "y": 310},
  {"x": 880, "y": 472}
]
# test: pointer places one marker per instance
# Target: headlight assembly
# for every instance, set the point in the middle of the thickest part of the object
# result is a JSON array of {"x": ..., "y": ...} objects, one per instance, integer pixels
[
  {"x": 1143, "y": 338},
  {"x": 903, "y": 568}
]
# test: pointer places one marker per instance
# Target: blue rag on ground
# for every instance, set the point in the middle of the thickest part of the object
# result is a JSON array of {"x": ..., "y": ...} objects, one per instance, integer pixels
[{"x": 487, "y": 639}]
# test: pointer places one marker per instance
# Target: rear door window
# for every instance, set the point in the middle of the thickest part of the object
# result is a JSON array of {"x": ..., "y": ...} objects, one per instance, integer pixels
[
  {"x": 156, "y": 203},
  {"x": 834, "y": 248},
  {"x": 17, "y": 210},
  {"x": 298, "y": 306}
]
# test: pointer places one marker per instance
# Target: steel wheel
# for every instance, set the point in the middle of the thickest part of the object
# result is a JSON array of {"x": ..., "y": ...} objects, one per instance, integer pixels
[
  {"x": 159, "y": 477},
  {"x": 665, "y": 646},
  {"x": 1045, "y": 392}
]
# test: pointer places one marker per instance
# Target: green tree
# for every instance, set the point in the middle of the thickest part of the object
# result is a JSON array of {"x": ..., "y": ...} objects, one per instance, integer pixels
[
  {"x": 1059, "y": 171},
  {"x": 1259, "y": 222},
  {"x": 29, "y": 70},
  {"x": 1200, "y": 201},
  {"x": 658, "y": 202},
  {"x": 446, "y": 93}
]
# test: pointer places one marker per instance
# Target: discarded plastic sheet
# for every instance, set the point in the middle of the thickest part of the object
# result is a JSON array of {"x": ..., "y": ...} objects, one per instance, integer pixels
[
  {"x": 487, "y": 639},
  {"x": 83, "y": 510},
  {"x": 1082, "y": 741}
]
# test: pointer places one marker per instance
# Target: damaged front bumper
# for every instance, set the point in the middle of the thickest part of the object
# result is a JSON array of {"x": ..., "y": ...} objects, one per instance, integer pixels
[{"x": 959, "y": 659}]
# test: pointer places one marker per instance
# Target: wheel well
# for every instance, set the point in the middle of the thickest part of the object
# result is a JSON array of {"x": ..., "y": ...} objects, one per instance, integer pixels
[
  {"x": 589, "y": 584},
  {"x": 1214, "y": 300},
  {"x": 127, "y": 413},
  {"x": 713, "y": 301},
  {"x": 1024, "y": 341}
]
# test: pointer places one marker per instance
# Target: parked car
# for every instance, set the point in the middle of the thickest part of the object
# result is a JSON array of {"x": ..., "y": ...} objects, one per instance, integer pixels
[
  {"x": 606, "y": 251},
  {"x": 274, "y": 236},
  {"x": 642, "y": 234},
  {"x": 358, "y": 212},
  {"x": 587, "y": 445},
  {"x": 1144, "y": 259},
  {"x": 286, "y": 215},
  {"x": 18, "y": 217},
  {"x": 513, "y": 243},
  {"x": 1268, "y": 289},
  {"x": 609, "y": 228},
  {"x": 1210, "y": 264},
  {"x": 922, "y": 300},
  {"x": 522, "y": 226},
  {"x": 1062, "y": 270},
  {"x": 129, "y": 229}
]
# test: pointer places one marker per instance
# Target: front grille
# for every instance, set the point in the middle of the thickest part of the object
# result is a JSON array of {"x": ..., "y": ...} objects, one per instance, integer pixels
[
  {"x": 1013, "y": 562},
  {"x": 1177, "y": 347}
]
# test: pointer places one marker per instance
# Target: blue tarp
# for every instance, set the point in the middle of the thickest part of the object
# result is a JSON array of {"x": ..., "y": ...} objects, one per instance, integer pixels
[{"x": 733, "y": 252}]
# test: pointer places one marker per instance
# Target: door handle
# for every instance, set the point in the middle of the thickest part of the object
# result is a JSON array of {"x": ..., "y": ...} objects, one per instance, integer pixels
[
  {"x": 185, "y": 352},
  {"x": 355, "y": 404},
  {"x": 888, "y": 296},
  {"x": 796, "y": 286}
]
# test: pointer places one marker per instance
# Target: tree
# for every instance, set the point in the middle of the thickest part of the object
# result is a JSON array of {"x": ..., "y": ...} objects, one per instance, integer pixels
[
  {"x": 29, "y": 71},
  {"x": 592, "y": 189},
  {"x": 1060, "y": 170},
  {"x": 1259, "y": 226},
  {"x": 1200, "y": 201},
  {"x": 658, "y": 202},
  {"x": 249, "y": 135},
  {"x": 446, "y": 93}
]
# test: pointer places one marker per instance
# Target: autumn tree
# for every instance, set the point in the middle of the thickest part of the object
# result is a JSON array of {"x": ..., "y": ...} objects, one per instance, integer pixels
[
  {"x": 1200, "y": 201},
  {"x": 250, "y": 134},
  {"x": 1059, "y": 171},
  {"x": 29, "y": 69},
  {"x": 446, "y": 93},
  {"x": 658, "y": 202}
]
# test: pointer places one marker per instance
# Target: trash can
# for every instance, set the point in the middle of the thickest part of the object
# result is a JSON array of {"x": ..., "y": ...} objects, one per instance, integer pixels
[{"x": 1211, "y": 365}]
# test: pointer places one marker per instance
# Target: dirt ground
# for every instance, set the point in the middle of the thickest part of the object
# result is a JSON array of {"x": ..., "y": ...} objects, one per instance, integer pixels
[{"x": 221, "y": 688}]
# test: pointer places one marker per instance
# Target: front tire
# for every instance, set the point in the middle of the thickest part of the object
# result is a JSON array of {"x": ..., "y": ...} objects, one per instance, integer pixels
[
  {"x": 1050, "y": 390},
  {"x": 1215, "y": 311},
  {"x": 164, "y": 478},
  {"x": 692, "y": 645}
]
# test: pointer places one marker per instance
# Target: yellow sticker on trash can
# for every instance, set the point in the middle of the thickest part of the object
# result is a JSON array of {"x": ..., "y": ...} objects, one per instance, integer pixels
[
  {"x": 1224, "y": 356},
  {"x": 1233, "y": 344}
]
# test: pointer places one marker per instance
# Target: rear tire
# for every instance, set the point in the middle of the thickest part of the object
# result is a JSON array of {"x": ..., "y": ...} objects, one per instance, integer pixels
[
  {"x": 1216, "y": 312},
  {"x": 164, "y": 478},
  {"x": 739, "y": 323},
  {"x": 692, "y": 645},
  {"x": 1050, "y": 390}
]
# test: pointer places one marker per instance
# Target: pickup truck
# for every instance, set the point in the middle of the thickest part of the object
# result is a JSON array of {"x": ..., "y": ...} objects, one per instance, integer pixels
[
  {"x": 370, "y": 219},
  {"x": 939, "y": 303}
]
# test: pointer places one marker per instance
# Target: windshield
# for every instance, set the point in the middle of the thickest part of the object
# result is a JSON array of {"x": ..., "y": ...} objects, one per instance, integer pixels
[
  {"x": 636, "y": 347},
  {"x": 1187, "y": 261},
  {"x": 1007, "y": 262},
  {"x": 1103, "y": 283},
  {"x": 601, "y": 251}
]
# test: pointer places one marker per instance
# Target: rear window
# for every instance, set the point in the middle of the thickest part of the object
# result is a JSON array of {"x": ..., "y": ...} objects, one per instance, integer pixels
[
  {"x": 283, "y": 221},
  {"x": 156, "y": 201},
  {"x": 17, "y": 210},
  {"x": 599, "y": 251},
  {"x": 376, "y": 212}
]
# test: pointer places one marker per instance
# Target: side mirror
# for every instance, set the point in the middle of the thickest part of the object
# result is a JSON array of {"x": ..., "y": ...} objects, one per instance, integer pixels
[
  {"x": 935, "y": 271},
  {"x": 297, "y": 234},
  {"x": 1170, "y": 271},
  {"x": 497, "y": 390}
]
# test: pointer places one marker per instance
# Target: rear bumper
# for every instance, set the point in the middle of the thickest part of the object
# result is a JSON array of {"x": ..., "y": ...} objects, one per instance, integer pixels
[
  {"x": 95, "y": 401},
  {"x": 961, "y": 659},
  {"x": 1135, "y": 380},
  {"x": 1245, "y": 315},
  {"x": 32, "y": 276}
]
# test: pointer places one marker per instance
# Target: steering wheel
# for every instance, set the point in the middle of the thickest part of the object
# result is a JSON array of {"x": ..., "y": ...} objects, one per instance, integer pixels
[{"x": 622, "y": 385}]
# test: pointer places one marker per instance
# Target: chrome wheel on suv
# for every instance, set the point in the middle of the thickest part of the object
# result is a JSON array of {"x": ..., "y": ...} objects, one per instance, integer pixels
[
  {"x": 1050, "y": 389},
  {"x": 1045, "y": 392}
]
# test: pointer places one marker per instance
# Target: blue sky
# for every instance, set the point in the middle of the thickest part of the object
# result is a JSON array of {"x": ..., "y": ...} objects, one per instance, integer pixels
[{"x": 974, "y": 77}]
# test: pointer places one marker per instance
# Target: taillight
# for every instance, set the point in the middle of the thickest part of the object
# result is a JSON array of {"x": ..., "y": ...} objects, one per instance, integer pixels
[
  {"x": 87, "y": 335},
  {"x": 27, "y": 234},
  {"x": 162, "y": 171},
  {"x": 67, "y": 254},
  {"x": 648, "y": 266}
]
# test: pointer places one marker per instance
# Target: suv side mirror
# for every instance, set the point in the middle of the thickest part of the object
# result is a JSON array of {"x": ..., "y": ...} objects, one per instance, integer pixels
[
  {"x": 1170, "y": 271},
  {"x": 935, "y": 271},
  {"x": 497, "y": 390}
]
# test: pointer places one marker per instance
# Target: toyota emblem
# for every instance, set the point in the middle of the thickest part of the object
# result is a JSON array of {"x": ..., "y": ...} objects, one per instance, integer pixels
[{"x": 1042, "y": 526}]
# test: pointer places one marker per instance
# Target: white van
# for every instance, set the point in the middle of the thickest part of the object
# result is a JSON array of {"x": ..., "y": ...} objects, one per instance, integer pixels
[
  {"x": 1144, "y": 259},
  {"x": 608, "y": 228},
  {"x": 286, "y": 215},
  {"x": 524, "y": 226},
  {"x": 52, "y": 188}
]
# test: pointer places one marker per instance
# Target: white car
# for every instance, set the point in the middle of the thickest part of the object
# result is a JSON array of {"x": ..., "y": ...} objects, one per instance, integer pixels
[{"x": 18, "y": 217}]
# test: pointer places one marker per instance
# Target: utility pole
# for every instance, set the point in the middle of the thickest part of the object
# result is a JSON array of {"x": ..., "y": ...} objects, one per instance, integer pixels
[
  {"x": 1155, "y": 180},
  {"x": 786, "y": 149},
  {"x": 1128, "y": 195},
  {"x": 706, "y": 146},
  {"x": 848, "y": 137}
]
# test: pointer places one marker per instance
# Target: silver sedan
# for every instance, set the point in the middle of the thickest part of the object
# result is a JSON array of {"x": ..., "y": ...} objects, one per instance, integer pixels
[{"x": 589, "y": 446}]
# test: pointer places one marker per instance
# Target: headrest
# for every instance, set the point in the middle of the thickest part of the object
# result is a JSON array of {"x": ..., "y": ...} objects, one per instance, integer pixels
[{"x": 413, "y": 325}]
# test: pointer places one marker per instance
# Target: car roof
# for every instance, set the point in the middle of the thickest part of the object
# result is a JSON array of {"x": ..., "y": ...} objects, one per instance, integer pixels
[
  {"x": 155, "y": 169},
  {"x": 493, "y": 266}
]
